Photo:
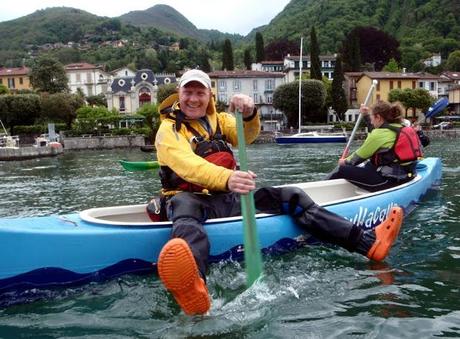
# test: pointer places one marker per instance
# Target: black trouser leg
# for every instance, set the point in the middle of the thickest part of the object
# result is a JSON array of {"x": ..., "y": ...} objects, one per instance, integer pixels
[
  {"x": 187, "y": 214},
  {"x": 365, "y": 177},
  {"x": 316, "y": 220}
]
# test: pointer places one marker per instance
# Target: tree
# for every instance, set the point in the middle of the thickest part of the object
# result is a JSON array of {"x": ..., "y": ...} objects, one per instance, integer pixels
[
  {"x": 278, "y": 49},
  {"x": 227, "y": 56},
  {"x": 97, "y": 100},
  {"x": 286, "y": 99},
  {"x": 339, "y": 98},
  {"x": 247, "y": 58},
  {"x": 260, "y": 51},
  {"x": 4, "y": 89},
  {"x": 453, "y": 61},
  {"x": 152, "y": 119},
  {"x": 48, "y": 75},
  {"x": 165, "y": 91},
  {"x": 19, "y": 109},
  {"x": 414, "y": 99},
  {"x": 376, "y": 47},
  {"x": 351, "y": 53},
  {"x": 94, "y": 119},
  {"x": 61, "y": 107},
  {"x": 315, "y": 69},
  {"x": 391, "y": 66}
]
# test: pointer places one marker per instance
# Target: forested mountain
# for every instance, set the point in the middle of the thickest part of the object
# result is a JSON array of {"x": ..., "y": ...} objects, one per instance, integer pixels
[
  {"x": 51, "y": 25},
  {"x": 429, "y": 25},
  {"x": 166, "y": 18},
  {"x": 422, "y": 27}
]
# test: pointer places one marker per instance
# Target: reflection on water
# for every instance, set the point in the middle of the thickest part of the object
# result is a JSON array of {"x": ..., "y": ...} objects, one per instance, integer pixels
[{"x": 313, "y": 292}]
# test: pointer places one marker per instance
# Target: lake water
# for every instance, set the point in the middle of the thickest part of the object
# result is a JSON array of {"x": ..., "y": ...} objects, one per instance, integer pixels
[{"x": 315, "y": 292}]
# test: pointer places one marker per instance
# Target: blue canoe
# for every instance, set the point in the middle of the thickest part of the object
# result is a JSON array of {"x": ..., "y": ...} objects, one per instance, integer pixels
[
  {"x": 101, "y": 243},
  {"x": 311, "y": 138}
]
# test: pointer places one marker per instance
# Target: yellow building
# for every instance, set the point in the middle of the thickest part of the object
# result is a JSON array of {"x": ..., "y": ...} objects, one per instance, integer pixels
[
  {"x": 387, "y": 81},
  {"x": 15, "y": 78}
]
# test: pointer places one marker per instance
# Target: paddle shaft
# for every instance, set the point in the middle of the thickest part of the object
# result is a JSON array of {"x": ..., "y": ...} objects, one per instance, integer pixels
[
  {"x": 252, "y": 256},
  {"x": 358, "y": 121}
]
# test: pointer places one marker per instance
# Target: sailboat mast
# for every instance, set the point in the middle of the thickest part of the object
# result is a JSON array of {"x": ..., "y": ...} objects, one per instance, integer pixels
[{"x": 300, "y": 83}]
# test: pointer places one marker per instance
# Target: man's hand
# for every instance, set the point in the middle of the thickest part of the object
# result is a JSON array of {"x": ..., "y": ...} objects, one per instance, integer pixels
[
  {"x": 242, "y": 182},
  {"x": 243, "y": 103}
]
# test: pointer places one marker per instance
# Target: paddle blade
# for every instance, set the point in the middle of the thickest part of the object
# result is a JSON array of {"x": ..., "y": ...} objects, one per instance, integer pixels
[
  {"x": 139, "y": 165},
  {"x": 252, "y": 256}
]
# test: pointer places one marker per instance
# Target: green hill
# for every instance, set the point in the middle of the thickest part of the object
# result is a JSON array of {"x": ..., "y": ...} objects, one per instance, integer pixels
[
  {"x": 51, "y": 25},
  {"x": 430, "y": 23},
  {"x": 167, "y": 19}
]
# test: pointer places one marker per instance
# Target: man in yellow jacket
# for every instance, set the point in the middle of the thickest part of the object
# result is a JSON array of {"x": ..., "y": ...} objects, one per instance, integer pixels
[{"x": 200, "y": 180}]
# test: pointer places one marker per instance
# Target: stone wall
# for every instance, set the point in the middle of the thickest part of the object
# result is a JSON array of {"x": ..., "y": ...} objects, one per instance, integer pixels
[
  {"x": 103, "y": 142},
  {"x": 31, "y": 152}
]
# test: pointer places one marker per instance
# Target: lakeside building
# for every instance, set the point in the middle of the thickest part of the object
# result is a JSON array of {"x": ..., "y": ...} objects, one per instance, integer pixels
[
  {"x": 128, "y": 93},
  {"x": 259, "y": 85},
  {"x": 15, "y": 78},
  {"x": 291, "y": 66},
  {"x": 90, "y": 79}
]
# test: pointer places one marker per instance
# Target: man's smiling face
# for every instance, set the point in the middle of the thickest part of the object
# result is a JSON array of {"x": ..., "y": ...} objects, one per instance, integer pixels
[{"x": 194, "y": 99}]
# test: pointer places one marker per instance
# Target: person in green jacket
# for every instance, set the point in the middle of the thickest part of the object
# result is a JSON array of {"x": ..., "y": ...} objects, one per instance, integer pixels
[{"x": 389, "y": 153}]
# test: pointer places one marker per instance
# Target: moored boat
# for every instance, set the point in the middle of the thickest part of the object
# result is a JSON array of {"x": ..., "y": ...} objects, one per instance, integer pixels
[
  {"x": 311, "y": 138},
  {"x": 100, "y": 243}
]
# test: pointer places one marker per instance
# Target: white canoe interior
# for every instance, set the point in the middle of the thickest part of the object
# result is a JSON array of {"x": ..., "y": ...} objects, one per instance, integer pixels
[{"x": 324, "y": 193}]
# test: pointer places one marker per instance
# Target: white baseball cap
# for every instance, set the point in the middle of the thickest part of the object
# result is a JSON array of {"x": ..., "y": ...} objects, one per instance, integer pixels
[{"x": 195, "y": 75}]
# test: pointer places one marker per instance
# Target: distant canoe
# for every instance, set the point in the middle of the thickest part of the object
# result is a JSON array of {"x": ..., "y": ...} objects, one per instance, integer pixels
[{"x": 139, "y": 165}]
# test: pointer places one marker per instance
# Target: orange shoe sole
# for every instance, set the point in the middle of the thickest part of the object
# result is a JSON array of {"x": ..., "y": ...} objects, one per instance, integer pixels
[
  {"x": 179, "y": 273},
  {"x": 386, "y": 234}
]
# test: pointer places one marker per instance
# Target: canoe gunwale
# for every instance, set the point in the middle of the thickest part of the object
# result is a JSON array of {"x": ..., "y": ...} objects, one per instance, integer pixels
[{"x": 95, "y": 215}]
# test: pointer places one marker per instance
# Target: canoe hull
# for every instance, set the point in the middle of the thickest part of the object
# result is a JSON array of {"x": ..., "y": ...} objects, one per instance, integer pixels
[
  {"x": 43, "y": 252},
  {"x": 310, "y": 140}
]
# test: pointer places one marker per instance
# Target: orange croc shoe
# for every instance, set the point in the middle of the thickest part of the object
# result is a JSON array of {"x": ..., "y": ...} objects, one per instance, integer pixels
[
  {"x": 386, "y": 234},
  {"x": 179, "y": 273}
]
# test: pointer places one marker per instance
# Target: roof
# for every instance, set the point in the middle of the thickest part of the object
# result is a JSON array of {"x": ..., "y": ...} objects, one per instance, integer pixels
[
  {"x": 14, "y": 71},
  {"x": 451, "y": 75},
  {"x": 81, "y": 66},
  {"x": 390, "y": 75},
  {"x": 124, "y": 84},
  {"x": 307, "y": 57},
  {"x": 245, "y": 74},
  {"x": 265, "y": 62}
]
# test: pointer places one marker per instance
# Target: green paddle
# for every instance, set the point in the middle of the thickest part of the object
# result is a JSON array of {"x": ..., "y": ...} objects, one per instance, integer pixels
[
  {"x": 252, "y": 256},
  {"x": 139, "y": 165}
]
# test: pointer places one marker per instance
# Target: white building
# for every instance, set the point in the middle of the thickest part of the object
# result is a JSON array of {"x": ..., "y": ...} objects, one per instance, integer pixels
[
  {"x": 127, "y": 94},
  {"x": 257, "y": 84},
  {"x": 91, "y": 79},
  {"x": 291, "y": 66}
]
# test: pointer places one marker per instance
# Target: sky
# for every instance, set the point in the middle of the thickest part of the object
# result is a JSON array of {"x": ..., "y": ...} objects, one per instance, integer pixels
[{"x": 228, "y": 16}]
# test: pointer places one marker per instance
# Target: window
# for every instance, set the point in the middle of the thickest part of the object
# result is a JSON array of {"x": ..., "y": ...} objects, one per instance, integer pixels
[
  {"x": 21, "y": 81},
  {"x": 222, "y": 97},
  {"x": 420, "y": 84},
  {"x": 254, "y": 85},
  {"x": 88, "y": 77},
  {"x": 1, "y": 81},
  {"x": 399, "y": 83},
  {"x": 269, "y": 99},
  {"x": 11, "y": 83},
  {"x": 391, "y": 85},
  {"x": 432, "y": 86},
  {"x": 256, "y": 98},
  {"x": 222, "y": 85},
  {"x": 413, "y": 84},
  {"x": 236, "y": 85},
  {"x": 269, "y": 84},
  {"x": 78, "y": 76},
  {"x": 122, "y": 104}
]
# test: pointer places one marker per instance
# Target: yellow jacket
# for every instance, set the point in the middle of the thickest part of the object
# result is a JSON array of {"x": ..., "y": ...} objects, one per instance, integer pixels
[{"x": 175, "y": 149}]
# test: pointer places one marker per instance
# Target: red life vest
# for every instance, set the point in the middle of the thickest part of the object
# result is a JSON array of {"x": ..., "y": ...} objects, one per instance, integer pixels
[
  {"x": 406, "y": 149},
  {"x": 215, "y": 150}
]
